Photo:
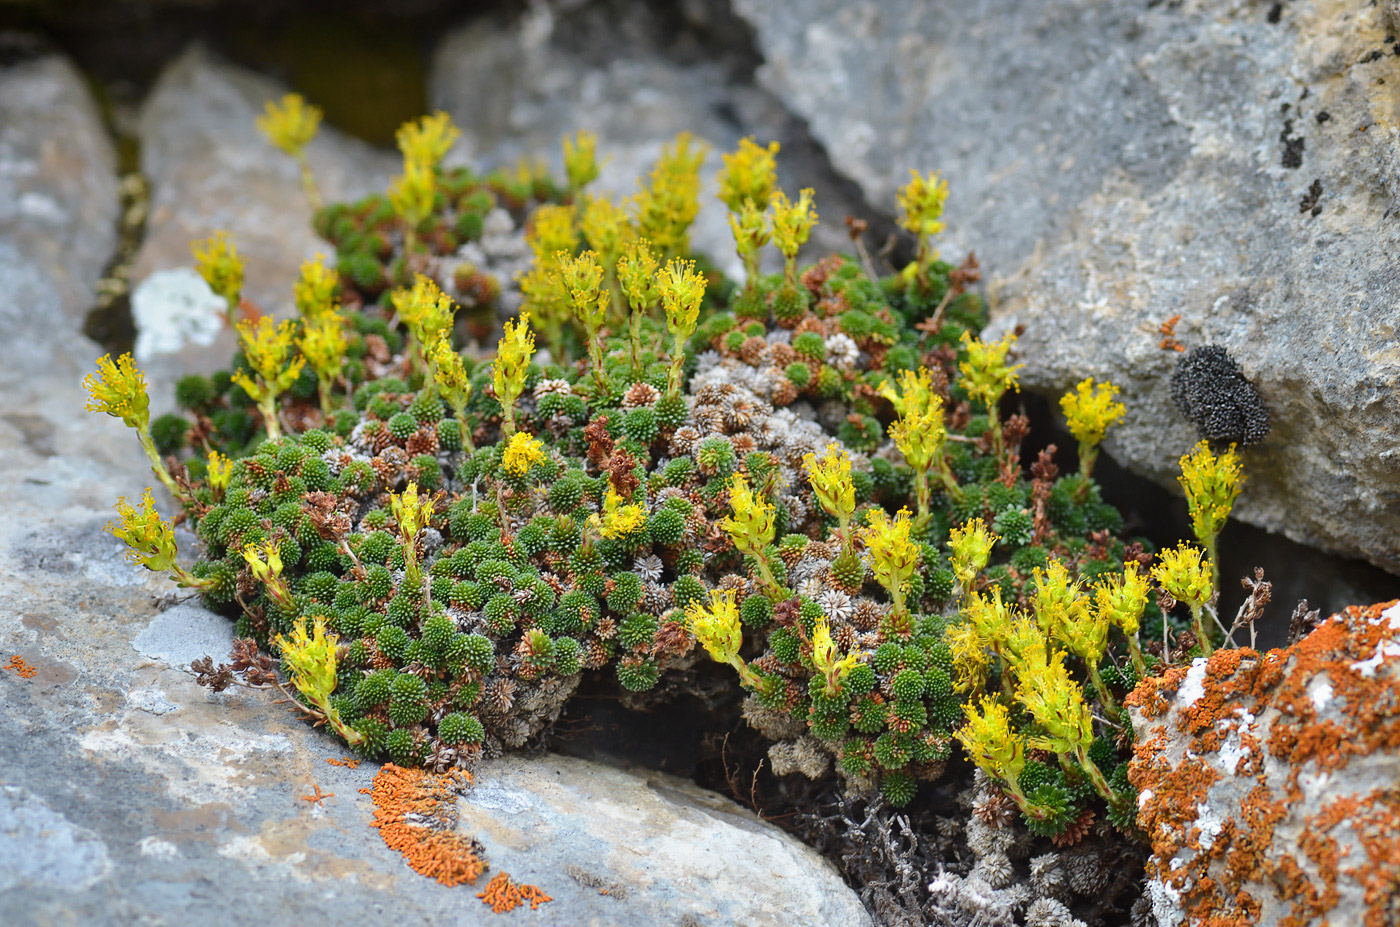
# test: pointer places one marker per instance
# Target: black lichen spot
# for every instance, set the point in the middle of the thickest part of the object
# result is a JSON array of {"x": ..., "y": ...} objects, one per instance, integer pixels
[
  {"x": 1292, "y": 146},
  {"x": 1370, "y": 56},
  {"x": 1323, "y": 116},
  {"x": 1309, "y": 202},
  {"x": 1275, "y": 13},
  {"x": 1209, "y": 389}
]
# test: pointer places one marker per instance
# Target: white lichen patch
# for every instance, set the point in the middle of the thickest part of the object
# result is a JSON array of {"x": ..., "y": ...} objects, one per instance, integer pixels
[
  {"x": 1384, "y": 651},
  {"x": 172, "y": 309},
  {"x": 1194, "y": 685}
]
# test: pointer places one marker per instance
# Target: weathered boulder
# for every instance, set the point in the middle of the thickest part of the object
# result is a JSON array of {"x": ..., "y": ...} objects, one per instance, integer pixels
[
  {"x": 516, "y": 85},
  {"x": 210, "y": 169},
  {"x": 1115, "y": 165},
  {"x": 58, "y": 221},
  {"x": 1268, "y": 782}
]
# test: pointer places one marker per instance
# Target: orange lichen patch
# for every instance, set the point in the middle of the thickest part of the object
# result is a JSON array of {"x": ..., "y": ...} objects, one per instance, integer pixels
[
  {"x": 317, "y": 796},
  {"x": 347, "y": 762},
  {"x": 415, "y": 812},
  {"x": 21, "y": 668},
  {"x": 501, "y": 894},
  {"x": 1289, "y": 841}
]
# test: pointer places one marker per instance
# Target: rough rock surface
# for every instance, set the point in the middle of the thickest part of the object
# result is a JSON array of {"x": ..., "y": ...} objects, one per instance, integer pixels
[
  {"x": 211, "y": 169},
  {"x": 1268, "y": 782},
  {"x": 612, "y": 846},
  {"x": 58, "y": 220},
  {"x": 1115, "y": 165},
  {"x": 516, "y": 85}
]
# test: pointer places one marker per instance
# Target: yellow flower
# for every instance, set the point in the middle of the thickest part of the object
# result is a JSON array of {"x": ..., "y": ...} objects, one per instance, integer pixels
[
  {"x": 990, "y": 616},
  {"x": 830, "y": 476},
  {"x": 971, "y": 662},
  {"x": 1064, "y": 613},
  {"x": 666, "y": 207},
  {"x": 268, "y": 348},
  {"x": 323, "y": 344},
  {"x": 427, "y": 140},
  {"x": 619, "y": 518},
  {"x": 149, "y": 539},
  {"x": 412, "y": 512},
  {"x": 1212, "y": 482},
  {"x": 411, "y": 194},
  {"x": 551, "y": 229},
  {"x": 921, "y": 204},
  {"x": 1055, "y": 701},
  {"x": 218, "y": 470},
  {"x": 425, "y": 309},
  {"x": 894, "y": 557},
  {"x": 986, "y": 375},
  {"x": 511, "y": 367},
  {"x": 682, "y": 291},
  {"x": 990, "y": 742},
  {"x": 792, "y": 222},
  {"x": 636, "y": 271},
  {"x": 606, "y": 228},
  {"x": 833, "y": 667},
  {"x": 312, "y": 661},
  {"x": 1181, "y": 572},
  {"x": 920, "y": 433},
  {"x": 291, "y": 124},
  {"x": 748, "y": 174},
  {"x": 1091, "y": 409},
  {"x": 1122, "y": 598},
  {"x": 582, "y": 278},
  {"x": 581, "y": 159},
  {"x": 752, "y": 524},
  {"x": 970, "y": 546},
  {"x": 521, "y": 453},
  {"x": 119, "y": 389},
  {"x": 264, "y": 560},
  {"x": 716, "y": 626},
  {"x": 751, "y": 232},
  {"x": 450, "y": 373},
  {"x": 315, "y": 289},
  {"x": 218, "y": 263}
]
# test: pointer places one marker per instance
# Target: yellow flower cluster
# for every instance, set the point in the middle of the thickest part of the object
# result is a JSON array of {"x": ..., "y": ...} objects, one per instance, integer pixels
[
  {"x": 581, "y": 159},
  {"x": 511, "y": 367},
  {"x": 411, "y": 194},
  {"x": 312, "y": 662},
  {"x": 551, "y": 230},
  {"x": 1212, "y": 482},
  {"x": 217, "y": 261},
  {"x": 919, "y": 432},
  {"x": 315, "y": 289},
  {"x": 682, "y": 290},
  {"x": 830, "y": 476},
  {"x": 412, "y": 513},
  {"x": 991, "y": 743},
  {"x": 894, "y": 558},
  {"x": 149, "y": 538},
  {"x": 522, "y": 452},
  {"x": 619, "y": 518},
  {"x": 1055, "y": 701},
  {"x": 1090, "y": 410},
  {"x": 268, "y": 348},
  {"x": 921, "y": 206},
  {"x": 119, "y": 389},
  {"x": 607, "y": 229},
  {"x": 453, "y": 384},
  {"x": 716, "y": 626},
  {"x": 323, "y": 344},
  {"x": 291, "y": 124},
  {"x": 792, "y": 223},
  {"x": 1186, "y": 577},
  {"x": 427, "y": 140},
  {"x": 748, "y": 175},
  {"x": 426, "y": 310},
  {"x": 986, "y": 376},
  {"x": 218, "y": 471},
  {"x": 582, "y": 278},
  {"x": 636, "y": 271},
  {"x": 970, "y": 546},
  {"x": 752, "y": 524},
  {"x": 666, "y": 207},
  {"x": 827, "y": 660},
  {"x": 751, "y": 230}
]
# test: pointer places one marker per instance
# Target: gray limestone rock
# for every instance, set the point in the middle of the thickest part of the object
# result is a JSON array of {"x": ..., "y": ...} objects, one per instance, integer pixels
[
  {"x": 1115, "y": 165},
  {"x": 516, "y": 85}
]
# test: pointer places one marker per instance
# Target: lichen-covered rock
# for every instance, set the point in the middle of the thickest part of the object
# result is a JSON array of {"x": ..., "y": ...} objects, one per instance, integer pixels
[
  {"x": 1115, "y": 165},
  {"x": 1268, "y": 781}
]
